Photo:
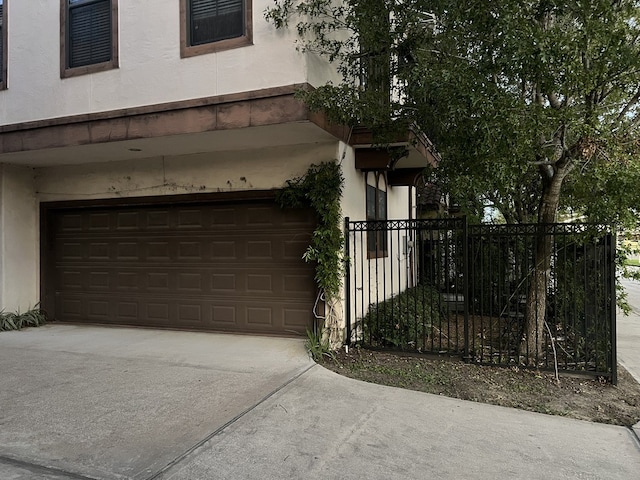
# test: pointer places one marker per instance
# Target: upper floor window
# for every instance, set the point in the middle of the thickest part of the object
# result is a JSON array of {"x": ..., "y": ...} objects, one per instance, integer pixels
[
  {"x": 212, "y": 25},
  {"x": 89, "y": 36},
  {"x": 3, "y": 44}
]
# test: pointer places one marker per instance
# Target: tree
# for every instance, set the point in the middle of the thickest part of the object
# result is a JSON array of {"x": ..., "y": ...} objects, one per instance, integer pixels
[{"x": 534, "y": 105}]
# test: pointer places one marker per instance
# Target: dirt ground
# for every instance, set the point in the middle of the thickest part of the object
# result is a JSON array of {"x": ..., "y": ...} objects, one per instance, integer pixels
[{"x": 579, "y": 397}]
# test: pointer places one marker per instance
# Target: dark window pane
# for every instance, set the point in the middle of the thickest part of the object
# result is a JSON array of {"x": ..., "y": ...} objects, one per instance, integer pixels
[
  {"x": 371, "y": 203},
  {"x": 90, "y": 33},
  {"x": 376, "y": 210},
  {"x": 382, "y": 205},
  {"x": 215, "y": 20}
]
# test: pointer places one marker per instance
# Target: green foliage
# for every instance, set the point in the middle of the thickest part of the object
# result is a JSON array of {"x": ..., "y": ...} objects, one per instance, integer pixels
[
  {"x": 317, "y": 346},
  {"x": 17, "y": 320},
  {"x": 405, "y": 320},
  {"x": 321, "y": 189},
  {"x": 534, "y": 105}
]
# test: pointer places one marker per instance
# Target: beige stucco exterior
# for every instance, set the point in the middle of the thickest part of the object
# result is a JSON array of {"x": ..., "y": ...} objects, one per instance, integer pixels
[
  {"x": 19, "y": 256},
  {"x": 212, "y": 172},
  {"x": 150, "y": 71},
  {"x": 158, "y": 125}
]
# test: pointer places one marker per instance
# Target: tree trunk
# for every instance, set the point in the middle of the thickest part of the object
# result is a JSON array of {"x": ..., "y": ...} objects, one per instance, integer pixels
[{"x": 532, "y": 345}]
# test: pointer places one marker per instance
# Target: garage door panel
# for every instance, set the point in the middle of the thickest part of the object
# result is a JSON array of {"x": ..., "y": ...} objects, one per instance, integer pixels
[
  {"x": 259, "y": 316},
  {"x": 224, "y": 217},
  {"x": 157, "y": 312},
  {"x": 128, "y": 221},
  {"x": 286, "y": 246},
  {"x": 262, "y": 216},
  {"x": 176, "y": 281},
  {"x": 190, "y": 219},
  {"x": 294, "y": 217},
  {"x": 69, "y": 308},
  {"x": 224, "y": 250},
  {"x": 128, "y": 311},
  {"x": 223, "y": 316},
  {"x": 70, "y": 223},
  {"x": 99, "y": 251},
  {"x": 158, "y": 220},
  {"x": 99, "y": 281},
  {"x": 295, "y": 318},
  {"x": 212, "y": 267}
]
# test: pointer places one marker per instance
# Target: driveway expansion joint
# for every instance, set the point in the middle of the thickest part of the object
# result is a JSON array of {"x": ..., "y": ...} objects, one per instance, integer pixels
[
  {"x": 42, "y": 469},
  {"x": 220, "y": 429},
  {"x": 634, "y": 434}
]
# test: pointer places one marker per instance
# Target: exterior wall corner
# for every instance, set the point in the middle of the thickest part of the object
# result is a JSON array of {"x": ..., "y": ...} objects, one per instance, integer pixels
[{"x": 19, "y": 244}]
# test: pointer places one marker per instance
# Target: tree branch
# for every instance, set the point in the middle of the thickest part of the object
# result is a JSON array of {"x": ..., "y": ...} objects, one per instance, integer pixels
[
  {"x": 634, "y": 100},
  {"x": 553, "y": 101},
  {"x": 546, "y": 161}
]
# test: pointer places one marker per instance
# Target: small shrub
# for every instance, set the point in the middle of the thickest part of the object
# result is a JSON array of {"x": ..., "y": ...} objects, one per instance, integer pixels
[
  {"x": 403, "y": 321},
  {"x": 317, "y": 346},
  {"x": 16, "y": 321}
]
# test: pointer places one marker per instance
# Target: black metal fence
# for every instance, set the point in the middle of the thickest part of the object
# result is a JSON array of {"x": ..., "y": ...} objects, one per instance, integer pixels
[{"x": 442, "y": 286}]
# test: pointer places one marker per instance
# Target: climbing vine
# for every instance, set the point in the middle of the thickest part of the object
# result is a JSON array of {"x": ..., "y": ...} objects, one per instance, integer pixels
[{"x": 321, "y": 189}]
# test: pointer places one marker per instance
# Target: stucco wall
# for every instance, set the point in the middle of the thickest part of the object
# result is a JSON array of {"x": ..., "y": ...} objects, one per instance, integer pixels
[
  {"x": 18, "y": 239},
  {"x": 201, "y": 173},
  {"x": 151, "y": 70},
  {"x": 372, "y": 279},
  {"x": 23, "y": 188}
]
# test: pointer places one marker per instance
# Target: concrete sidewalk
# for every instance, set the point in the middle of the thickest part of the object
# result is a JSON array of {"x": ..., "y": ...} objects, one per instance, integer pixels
[
  {"x": 628, "y": 330},
  {"x": 628, "y": 335},
  {"x": 325, "y": 426},
  {"x": 90, "y": 403}
]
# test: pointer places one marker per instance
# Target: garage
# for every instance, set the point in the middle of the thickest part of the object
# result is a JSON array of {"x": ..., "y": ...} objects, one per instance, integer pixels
[{"x": 229, "y": 265}]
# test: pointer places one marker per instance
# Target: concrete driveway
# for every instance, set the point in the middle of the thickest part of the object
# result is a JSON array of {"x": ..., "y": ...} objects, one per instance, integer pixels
[
  {"x": 104, "y": 403},
  {"x": 113, "y": 403}
]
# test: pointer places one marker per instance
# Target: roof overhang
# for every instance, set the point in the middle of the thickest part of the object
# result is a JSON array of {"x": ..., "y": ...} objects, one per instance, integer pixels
[
  {"x": 404, "y": 158},
  {"x": 251, "y": 120}
]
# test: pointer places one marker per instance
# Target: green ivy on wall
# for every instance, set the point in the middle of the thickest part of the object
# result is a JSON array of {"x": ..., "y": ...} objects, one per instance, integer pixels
[{"x": 321, "y": 189}]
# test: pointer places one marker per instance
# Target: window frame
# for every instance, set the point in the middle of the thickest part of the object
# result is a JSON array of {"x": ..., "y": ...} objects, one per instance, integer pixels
[
  {"x": 188, "y": 50},
  {"x": 377, "y": 238},
  {"x": 5, "y": 50},
  {"x": 67, "y": 71}
]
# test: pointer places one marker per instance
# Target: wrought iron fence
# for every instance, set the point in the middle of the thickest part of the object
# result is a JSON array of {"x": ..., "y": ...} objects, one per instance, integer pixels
[{"x": 442, "y": 286}]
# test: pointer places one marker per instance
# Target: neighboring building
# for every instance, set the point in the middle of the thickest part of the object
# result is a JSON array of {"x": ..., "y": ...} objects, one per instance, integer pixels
[{"x": 141, "y": 143}]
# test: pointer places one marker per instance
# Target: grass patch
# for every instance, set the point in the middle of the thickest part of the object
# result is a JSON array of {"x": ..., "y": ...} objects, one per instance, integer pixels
[{"x": 583, "y": 398}]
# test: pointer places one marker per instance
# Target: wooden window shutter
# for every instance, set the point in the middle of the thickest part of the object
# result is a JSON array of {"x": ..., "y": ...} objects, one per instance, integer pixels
[
  {"x": 215, "y": 20},
  {"x": 89, "y": 33}
]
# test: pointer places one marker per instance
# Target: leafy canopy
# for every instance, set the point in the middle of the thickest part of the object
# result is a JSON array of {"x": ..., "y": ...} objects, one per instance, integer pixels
[{"x": 534, "y": 105}]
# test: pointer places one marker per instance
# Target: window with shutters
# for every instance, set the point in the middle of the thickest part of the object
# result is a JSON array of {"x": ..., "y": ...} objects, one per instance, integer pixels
[
  {"x": 3, "y": 44},
  {"x": 213, "y": 25},
  {"x": 89, "y": 36}
]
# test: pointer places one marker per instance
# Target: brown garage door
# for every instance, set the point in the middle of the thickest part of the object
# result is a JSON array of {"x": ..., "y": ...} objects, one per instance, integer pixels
[{"x": 227, "y": 267}]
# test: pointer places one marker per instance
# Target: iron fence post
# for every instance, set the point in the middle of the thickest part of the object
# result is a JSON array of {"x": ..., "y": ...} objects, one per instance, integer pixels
[
  {"x": 347, "y": 282},
  {"x": 465, "y": 286},
  {"x": 612, "y": 307}
]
